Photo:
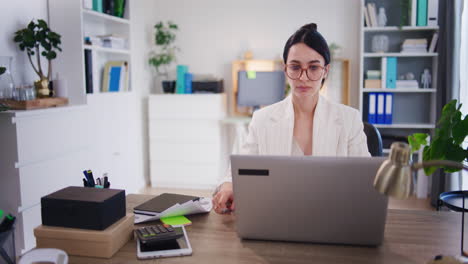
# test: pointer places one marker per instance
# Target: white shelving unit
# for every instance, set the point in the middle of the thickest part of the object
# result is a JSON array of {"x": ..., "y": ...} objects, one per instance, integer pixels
[{"x": 413, "y": 109}]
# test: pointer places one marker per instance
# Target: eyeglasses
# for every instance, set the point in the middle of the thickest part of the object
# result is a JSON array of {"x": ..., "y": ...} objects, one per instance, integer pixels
[{"x": 313, "y": 72}]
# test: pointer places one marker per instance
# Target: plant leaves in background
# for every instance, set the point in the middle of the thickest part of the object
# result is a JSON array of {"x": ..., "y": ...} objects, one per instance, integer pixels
[
  {"x": 450, "y": 133},
  {"x": 2, "y": 70}
]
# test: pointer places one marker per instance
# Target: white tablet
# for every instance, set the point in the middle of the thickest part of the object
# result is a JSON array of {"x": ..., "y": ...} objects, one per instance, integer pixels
[{"x": 173, "y": 248}]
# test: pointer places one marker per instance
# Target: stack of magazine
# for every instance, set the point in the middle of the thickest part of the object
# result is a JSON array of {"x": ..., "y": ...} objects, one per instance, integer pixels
[{"x": 169, "y": 204}]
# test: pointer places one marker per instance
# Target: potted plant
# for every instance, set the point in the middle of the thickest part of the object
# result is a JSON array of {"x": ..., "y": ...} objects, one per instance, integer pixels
[
  {"x": 451, "y": 131},
  {"x": 38, "y": 40},
  {"x": 160, "y": 59},
  {"x": 2, "y": 106}
]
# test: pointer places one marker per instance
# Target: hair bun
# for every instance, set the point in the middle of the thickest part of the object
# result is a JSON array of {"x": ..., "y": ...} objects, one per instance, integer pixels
[{"x": 311, "y": 26}]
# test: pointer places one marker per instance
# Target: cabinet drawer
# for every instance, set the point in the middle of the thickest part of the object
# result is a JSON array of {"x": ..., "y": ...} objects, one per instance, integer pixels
[
  {"x": 185, "y": 152},
  {"x": 46, "y": 136},
  {"x": 40, "y": 179},
  {"x": 188, "y": 130},
  {"x": 187, "y": 106},
  {"x": 174, "y": 174},
  {"x": 31, "y": 220}
]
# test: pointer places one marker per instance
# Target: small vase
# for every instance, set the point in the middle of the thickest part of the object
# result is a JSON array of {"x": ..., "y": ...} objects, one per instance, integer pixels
[{"x": 42, "y": 88}]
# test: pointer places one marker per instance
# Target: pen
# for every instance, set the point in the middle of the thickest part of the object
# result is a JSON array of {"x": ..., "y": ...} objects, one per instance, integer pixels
[
  {"x": 7, "y": 223},
  {"x": 85, "y": 183},
  {"x": 106, "y": 182},
  {"x": 90, "y": 178},
  {"x": 98, "y": 181}
]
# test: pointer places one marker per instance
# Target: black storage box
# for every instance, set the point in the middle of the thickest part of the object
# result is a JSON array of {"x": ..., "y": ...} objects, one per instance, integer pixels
[
  {"x": 207, "y": 86},
  {"x": 83, "y": 207}
]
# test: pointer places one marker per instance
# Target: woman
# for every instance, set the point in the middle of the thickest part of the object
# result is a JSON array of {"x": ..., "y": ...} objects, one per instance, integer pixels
[{"x": 304, "y": 123}]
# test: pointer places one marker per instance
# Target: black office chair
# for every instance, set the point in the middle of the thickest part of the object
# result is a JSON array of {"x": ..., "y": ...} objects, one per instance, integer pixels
[{"x": 374, "y": 140}]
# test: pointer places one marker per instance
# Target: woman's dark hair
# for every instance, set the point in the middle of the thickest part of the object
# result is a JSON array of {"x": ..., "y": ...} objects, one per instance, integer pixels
[{"x": 308, "y": 35}]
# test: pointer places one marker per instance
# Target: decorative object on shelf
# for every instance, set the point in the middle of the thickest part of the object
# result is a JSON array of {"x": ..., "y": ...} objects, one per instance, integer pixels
[
  {"x": 405, "y": 13},
  {"x": 34, "y": 38},
  {"x": 382, "y": 17},
  {"x": 24, "y": 93},
  {"x": 426, "y": 79},
  {"x": 6, "y": 80},
  {"x": 379, "y": 43},
  {"x": 164, "y": 39},
  {"x": 335, "y": 50},
  {"x": 60, "y": 87}
]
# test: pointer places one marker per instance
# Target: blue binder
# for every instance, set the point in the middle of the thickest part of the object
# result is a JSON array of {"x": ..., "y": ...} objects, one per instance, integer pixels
[
  {"x": 188, "y": 83},
  {"x": 114, "y": 79},
  {"x": 380, "y": 108},
  {"x": 372, "y": 117},
  {"x": 388, "y": 108},
  {"x": 391, "y": 72}
]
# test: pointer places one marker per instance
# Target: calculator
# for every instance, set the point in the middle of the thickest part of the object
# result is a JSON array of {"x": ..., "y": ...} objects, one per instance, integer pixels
[
  {"x": 163, "y": 244},
  {"x": 158, "y": 233}
]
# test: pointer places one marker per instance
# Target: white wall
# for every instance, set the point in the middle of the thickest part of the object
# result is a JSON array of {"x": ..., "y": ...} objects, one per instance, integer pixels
[
  {"x": 214, "y": 33},
  {"x": 16, "y": 15}
]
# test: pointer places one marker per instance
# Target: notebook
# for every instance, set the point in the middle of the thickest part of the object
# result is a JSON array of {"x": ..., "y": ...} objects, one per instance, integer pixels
[{"x": 170, "y": 204}]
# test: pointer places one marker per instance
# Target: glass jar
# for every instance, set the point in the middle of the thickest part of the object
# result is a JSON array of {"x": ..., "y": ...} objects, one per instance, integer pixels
[
  {"x": 6, "y": 80},
  {"x": 379, "y": 43}
]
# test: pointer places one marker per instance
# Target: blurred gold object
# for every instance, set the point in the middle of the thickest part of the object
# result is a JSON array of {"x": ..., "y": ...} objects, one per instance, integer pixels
[{"x": 42, "y": 88}]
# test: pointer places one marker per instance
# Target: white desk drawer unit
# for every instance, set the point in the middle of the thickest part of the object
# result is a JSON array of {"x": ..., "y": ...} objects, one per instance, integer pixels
[
  {"x": 185, "y": 139},
  {"x": 42, "y": 152}
]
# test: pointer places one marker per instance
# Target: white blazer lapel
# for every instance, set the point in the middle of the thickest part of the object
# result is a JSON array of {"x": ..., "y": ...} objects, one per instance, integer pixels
[
  {"x": 280, "y": 130},
  {"x": 327, "y": 128}
]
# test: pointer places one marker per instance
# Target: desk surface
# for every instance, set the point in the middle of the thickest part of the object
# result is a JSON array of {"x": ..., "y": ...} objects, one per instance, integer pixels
[{"x": 410, "y": 237}]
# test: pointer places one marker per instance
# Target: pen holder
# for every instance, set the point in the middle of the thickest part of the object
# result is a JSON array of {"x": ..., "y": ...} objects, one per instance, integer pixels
[{"x": 7, "y": 246}]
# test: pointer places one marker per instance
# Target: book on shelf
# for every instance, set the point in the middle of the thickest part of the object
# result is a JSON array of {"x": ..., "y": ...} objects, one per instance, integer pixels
[
  {"x": 366, "y": 17},
  {"x": 388, "y": 113},
  {"x": 372, "y": 83},
  {"x": 371, "y": 8},
  {"x": 414, "y": 46},
  {"x": 421, "y": 19},
  {"x": 432, "y": 13},
  {"x": 410, "y": 84},
  {"x": 180, "y": 81},
  {"x": 115, "y": 76},
  {"x": 110, "y": 7},
  {"x": 88, "y": 4},
  {"x": 433, "y": 45},
  {"x": 97, "y": 5},
  {"x": 383, "y": 70},
  {"x": 88, "y": 56},
  {"x": 373, "y": 75},
  {"x": 392, "y": 71},
  {"x": 414, "y": 5}
]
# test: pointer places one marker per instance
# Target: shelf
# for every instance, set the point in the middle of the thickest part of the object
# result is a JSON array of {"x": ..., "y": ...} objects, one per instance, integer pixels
[
  {"x": 398, "y": 90},
  {"x": 107, "y": 50},
  {"x": 104, "y": 17},
  {"x": 395, "y": 28},
  {"x": 406, "y": 126},
  {"x": 399, "y": 54}
]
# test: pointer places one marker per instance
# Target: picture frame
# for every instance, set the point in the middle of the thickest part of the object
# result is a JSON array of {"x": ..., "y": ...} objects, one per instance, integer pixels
[{"x": 115, "y": 76}]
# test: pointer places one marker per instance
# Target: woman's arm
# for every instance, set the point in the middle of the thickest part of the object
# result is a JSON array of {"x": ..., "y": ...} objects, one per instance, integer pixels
[{"x": 357, "y": 143}]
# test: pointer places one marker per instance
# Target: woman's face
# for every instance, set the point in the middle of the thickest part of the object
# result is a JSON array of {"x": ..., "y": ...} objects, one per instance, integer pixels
[{"x": 302, "y": 58}]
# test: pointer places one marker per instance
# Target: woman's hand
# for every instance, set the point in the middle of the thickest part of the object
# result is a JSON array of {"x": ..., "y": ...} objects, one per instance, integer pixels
[{"x": 223, "y": 201}]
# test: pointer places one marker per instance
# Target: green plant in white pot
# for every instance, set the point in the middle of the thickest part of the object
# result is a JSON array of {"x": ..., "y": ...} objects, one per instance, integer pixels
[
  {"x": 38, "y": 40},
  {"x": 165, "y": 53}
]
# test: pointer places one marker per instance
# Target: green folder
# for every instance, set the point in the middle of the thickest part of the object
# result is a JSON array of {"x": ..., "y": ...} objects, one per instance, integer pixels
[{"x": 421, "y": 13}]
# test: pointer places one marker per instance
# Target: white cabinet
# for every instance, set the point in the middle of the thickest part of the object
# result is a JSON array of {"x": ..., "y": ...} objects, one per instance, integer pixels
[
  {"x": 42, "y": 152},
  {"x": 185, "y": 134}
]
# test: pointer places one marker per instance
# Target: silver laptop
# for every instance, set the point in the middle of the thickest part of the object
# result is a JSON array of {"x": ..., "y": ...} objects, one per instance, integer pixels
[{"x": 308, "y": 199}]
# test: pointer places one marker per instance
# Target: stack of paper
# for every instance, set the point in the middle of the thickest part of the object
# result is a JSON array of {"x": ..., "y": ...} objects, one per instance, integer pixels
[
  {"x": 168, "y": 204},
  {"x": 407, "y": 84},
  {"x": 414, "y": 46}
]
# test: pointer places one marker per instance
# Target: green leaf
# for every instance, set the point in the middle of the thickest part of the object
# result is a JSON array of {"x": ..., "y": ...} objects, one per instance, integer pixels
[
  {"x": 417, "y": 140},
  {"x": 460, "y": 131},
  {"x": 2, "y": 70},
  {"x": 42, "y": 23},
  {"x": 51, "y": 55}
]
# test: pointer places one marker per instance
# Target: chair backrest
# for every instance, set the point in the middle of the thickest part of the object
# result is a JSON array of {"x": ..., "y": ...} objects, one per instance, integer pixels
[{"x": 374, "y": 140}]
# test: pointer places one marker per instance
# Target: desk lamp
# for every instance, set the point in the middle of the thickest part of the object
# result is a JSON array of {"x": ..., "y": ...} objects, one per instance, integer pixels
[
  {"x": 394, "y": 175},
  {"x": 394, "y": 178}
]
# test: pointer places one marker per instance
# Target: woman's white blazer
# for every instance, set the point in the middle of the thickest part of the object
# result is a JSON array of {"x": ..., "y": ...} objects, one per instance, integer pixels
[{"x": 337, "y": 131}]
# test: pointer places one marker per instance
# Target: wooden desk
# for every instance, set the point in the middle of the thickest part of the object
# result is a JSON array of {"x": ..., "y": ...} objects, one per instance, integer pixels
[{"x": 410, "y": 237}]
